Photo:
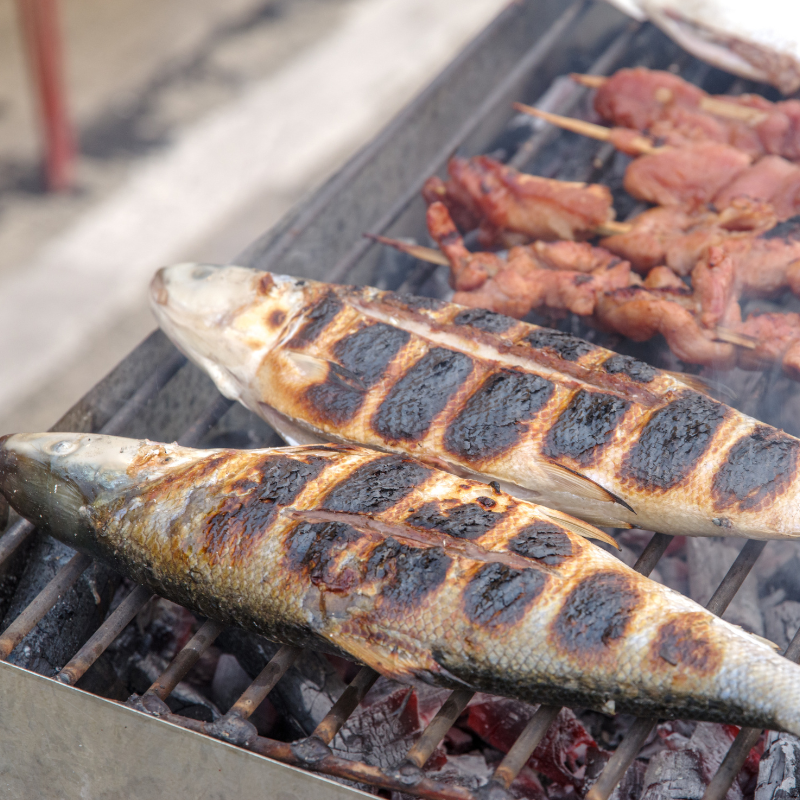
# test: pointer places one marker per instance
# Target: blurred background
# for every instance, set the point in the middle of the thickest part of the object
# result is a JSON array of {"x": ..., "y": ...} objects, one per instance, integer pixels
[{"x": 196, "y": 124}]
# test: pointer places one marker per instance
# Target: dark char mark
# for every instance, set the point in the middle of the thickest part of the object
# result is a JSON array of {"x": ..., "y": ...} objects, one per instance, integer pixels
[
  {"x": 636, "y": 370},
  {"x": 489, "y": 321},
  {"x": 788, "y": 229},
  {"x": 376, "y": 486},
  {"x": 568, "y": 347},
  {"x": 367, "y": 352},
  {"x": 673, "y": 441},
  {"x": 585, "y": 425},
  {"x": 364, "y": 356},
  {"x": 685, "y": 641},
  {"x": 595, "y": 614},
  {"x": 494, "y": 417},
  {"x": 407, "y": 573},
  {"x": 317, "y": 548},
  {"x": 543, "y": 541},
  {"x": 317, "y": 319},
  {"x": 467, "y": 521},
  {"x": 500, "y": 595},
  {"x": 338, "y": 397},
  {"x": 421, "y": 394},
  {"x": 250, "y": 505},
  {"x": 759, "y": 467}
]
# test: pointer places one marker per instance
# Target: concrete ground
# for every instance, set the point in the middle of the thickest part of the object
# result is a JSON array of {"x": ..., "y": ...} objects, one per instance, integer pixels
[{"x": 200, "y": 124}]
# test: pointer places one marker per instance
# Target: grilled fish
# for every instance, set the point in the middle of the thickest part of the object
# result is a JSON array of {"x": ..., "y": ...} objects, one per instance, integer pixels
[
  {"x": 414, "y": 571},
  {"x": 550, "y": 417}
]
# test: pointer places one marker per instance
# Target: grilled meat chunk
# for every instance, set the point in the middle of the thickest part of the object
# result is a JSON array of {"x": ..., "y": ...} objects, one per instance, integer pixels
[
  {"x": 509, "y": 207},
  {"x": 413, "y": 571},
  {"x": 670, "y": 108},
  {"x": 549, "y": 416}
]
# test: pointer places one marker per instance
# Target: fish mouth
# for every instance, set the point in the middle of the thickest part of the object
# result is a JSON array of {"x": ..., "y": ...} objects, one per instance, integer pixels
[{"x": 51, "y": 478}]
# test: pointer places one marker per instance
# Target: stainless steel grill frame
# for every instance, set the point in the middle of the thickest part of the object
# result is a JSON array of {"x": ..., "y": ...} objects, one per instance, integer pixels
[{"x": 98, "y": 748}]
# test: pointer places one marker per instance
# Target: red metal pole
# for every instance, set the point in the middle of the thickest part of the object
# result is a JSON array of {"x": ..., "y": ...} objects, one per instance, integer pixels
[{"x": 40, "y": 29}]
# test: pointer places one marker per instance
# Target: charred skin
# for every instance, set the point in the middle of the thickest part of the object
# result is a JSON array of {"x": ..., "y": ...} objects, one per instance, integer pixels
[
  {"x": 413, "y": 571},
  {"x": 552, "y": 418}
]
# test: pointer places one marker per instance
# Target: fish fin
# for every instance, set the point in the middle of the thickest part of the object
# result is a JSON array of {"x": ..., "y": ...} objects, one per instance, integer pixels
[
  {"x": 320, "y": 369},
  {"x": 710, "y": 388},
  {"x": 578, "y": 526},
  {"x": 568, "y": 480},
  {"x": 293, "y": 434},
  {"x": 769, "y": 643},
  {"x": 390, "y": 664}
]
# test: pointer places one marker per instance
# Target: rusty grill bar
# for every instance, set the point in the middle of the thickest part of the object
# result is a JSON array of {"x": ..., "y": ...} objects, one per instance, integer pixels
[{"x": 627, "y": 44}]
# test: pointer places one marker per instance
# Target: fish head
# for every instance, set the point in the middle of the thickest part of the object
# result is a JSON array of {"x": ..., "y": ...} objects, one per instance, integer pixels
[
  {"x": 226, "y": 318},
  {"x": 51, "y": 478}
]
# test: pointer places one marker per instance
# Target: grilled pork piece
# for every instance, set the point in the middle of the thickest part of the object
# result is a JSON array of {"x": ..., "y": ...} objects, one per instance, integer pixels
[
  {"x": 413, "y": 571},
  {"x": 509, "y": 207},
  {"x": 559, "y": 275},
  {"x": 671, "y": 109},
  {"x": 550, "y": 416}
]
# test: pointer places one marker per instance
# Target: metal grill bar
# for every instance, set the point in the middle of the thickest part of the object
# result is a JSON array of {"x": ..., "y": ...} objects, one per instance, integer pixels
[
  {"x": 104, "y": 636},
  {"x": 185, "y": 660},
  {"x": 530, "y": 738},
  {"x": 437, "y": 729},
  {"x": 255, "y": 694},
  {"x": 345, "y": 705},
  {"x": 31, "y": 616}
]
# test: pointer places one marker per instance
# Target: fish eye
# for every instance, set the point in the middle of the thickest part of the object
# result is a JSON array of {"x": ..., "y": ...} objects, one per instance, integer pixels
[
  {"x": 64, "y": 447},
  {"x": 202, "y": 271}
]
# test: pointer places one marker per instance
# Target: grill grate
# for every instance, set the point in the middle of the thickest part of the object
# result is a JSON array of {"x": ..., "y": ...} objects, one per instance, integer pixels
[{"x": 601, "y": 41}]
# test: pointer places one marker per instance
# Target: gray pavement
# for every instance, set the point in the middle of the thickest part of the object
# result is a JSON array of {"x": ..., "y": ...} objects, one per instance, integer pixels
[{"x": 201, "y": 123}]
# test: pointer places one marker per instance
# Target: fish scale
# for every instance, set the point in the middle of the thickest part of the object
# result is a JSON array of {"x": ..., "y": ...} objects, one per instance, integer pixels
[
  {"x": 372, "y": 555},
  {"x": 552, "y": 418}
]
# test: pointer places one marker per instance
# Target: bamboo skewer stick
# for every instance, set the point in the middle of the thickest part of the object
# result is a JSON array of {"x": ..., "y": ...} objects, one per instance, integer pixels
[
  {"x": 733, "y": 337},
  {"x": 416, "y": 250},
  {"x": 712, "y": 105},
  {"x": 640, "y": 143},
  {"x": 590, "y": 81}
]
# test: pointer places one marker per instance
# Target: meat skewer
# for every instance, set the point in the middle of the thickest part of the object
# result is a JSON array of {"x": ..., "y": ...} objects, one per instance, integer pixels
[
  {"x": 674, "y": 111},
  {"x": 509, "y": 207},
  {"x": 694, "y": 174},
  {"x": 765, "y": 260},
  {"x": 701, "y": 327}
]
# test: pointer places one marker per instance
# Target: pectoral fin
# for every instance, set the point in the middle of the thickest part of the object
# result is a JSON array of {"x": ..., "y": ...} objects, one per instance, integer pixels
[
  {"x": 319, "y": 369},
  {"x": 577, "y": 526},
  {"x": 568, "y": 480}
]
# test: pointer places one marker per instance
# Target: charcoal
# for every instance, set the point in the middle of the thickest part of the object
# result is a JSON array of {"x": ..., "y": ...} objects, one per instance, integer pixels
[
  {"x": 673, "y": 775},
  {"x": 781, "y": 622},
  {"x": 785, "y": 575},
  {"x": 387, "y": 723},
  {"x": 229, "y": 681},
  {"x": 73, "y": 619},
  {"x": 779, "y": 770},
  {"x": 561, "y": 756},
  {"x": 709, "y": 560}
]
